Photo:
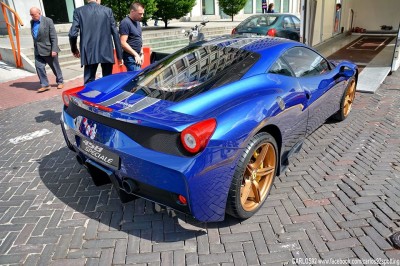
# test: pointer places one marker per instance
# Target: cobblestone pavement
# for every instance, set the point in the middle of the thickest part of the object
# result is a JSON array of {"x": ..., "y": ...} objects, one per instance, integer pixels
[{"x": 339, "y": 199}]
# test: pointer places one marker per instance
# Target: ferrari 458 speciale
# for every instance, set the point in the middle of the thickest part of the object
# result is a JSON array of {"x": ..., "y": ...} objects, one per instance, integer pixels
[{"x": 206, "y": 129}]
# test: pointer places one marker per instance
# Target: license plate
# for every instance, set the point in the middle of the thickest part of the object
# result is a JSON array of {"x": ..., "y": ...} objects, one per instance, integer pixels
[
  {"x": 249, "y": 34},
  {"x": 103, "y": 155}
]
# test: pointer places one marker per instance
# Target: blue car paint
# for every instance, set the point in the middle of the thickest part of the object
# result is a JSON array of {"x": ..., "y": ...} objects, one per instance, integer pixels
[{"x": 206, "y": 177}]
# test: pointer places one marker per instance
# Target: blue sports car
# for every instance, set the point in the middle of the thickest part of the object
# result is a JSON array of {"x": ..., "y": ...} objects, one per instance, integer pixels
[{"x": 206, "y": 129}]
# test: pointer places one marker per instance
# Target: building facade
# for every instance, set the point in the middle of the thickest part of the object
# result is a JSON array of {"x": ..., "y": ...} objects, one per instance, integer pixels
[
  {"x": 61, "y": 11},
  {"x": 212, "y": 10}
]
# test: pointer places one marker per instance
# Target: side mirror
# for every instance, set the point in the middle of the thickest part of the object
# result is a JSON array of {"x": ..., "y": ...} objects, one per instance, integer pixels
[{"x": 346, "y": 72}]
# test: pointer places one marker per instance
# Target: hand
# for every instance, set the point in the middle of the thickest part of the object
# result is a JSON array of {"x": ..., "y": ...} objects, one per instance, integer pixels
[
  {"x": 120, "y": 63},
  {"x": 77, "y": 54},
  {"x": 138, "y": 60},
  {"x": 53, "y": 54}
]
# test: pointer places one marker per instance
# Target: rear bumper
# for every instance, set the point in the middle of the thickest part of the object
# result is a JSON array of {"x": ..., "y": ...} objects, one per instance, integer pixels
[{"x": 204, "y": 180}]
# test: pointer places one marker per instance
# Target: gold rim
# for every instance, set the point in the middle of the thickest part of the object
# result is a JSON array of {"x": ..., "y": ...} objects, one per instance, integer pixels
[
  {"x": 258, "y": 177},
  {"x": 348, "y": 101}
]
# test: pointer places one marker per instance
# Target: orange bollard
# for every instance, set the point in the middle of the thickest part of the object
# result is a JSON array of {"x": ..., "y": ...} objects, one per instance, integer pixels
[
  {"x": 146, "y": 56},
  {"x": 116, "y": 67},
  {"x": 146, "y": 61}
]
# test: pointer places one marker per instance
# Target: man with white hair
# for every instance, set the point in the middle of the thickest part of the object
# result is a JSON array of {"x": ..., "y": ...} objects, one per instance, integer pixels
[{"x": 45, "y": 48}]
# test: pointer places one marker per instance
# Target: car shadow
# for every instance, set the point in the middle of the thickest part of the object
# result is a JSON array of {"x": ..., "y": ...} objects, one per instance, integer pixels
[
  {"x": 48, "y": 115},
  {"x": 69, "y": 182}
]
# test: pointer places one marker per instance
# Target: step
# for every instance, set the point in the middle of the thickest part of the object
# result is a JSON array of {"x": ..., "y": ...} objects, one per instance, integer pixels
[{"x": 166, "y": 41}]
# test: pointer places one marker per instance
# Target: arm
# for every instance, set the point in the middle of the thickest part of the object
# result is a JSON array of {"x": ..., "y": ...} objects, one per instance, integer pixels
[
  {"x": 73, "y": 35},
  {"x": 127, "y": 48},
  {"x": 116, "y": 39},
  {"x": 53, "y": 38}
]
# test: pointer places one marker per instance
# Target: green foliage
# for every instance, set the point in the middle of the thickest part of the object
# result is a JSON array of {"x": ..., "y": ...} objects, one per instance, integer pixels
[
  {"x": 232, "y": 7},
  {"x": 173, "y": 9},
  {"x": 120, "y": 8},
  {"x": 150, "y": 6}
]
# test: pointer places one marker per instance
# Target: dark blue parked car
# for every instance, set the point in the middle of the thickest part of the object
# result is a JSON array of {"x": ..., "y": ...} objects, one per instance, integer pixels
[
  {"x": 271, "y": 24},
  {"x": 206, "y": 129}
]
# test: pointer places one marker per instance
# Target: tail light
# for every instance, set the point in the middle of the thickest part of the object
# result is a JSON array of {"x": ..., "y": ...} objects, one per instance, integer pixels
[
  {"x": 66, "y": 95},
  {"x": 195, "y": 137},
  {"x": 234, "y": 31},
  {"x": 271, "y": 32}
]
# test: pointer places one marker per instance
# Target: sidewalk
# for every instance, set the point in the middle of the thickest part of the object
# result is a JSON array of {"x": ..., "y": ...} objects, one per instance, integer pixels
[{"x": 19, "y": 87}]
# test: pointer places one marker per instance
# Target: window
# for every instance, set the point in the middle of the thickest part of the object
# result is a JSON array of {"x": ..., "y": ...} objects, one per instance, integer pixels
[
  {"x": 208, "y": 7},
  {"x": 280, "y": 67},
  {"x": 258, "y": 21},
  {"x": 251, "y": 22},
  {"x": 258, "y": 6},
  {"x": 285, "y": 6},
  {"x": 248, "y": 8},
  {"x": 306, "y": 62},
  {"x": 296, "y": 22},
  {"x": 277, "y": 6},
  {"x": 288, "y": 23},
  {"x": 191, "y": 71}
]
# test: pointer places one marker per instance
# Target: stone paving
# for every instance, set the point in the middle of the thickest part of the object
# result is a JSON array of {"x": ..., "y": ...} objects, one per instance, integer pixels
[{"x": 338, "y": 202}]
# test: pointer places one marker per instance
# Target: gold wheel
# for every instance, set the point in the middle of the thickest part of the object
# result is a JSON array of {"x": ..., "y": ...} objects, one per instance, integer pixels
[
  {"x": 349, "y": 98},
  {"x": 258, "y": 177}
]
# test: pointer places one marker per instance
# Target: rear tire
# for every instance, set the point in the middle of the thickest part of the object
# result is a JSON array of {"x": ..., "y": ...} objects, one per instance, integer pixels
[
  {"x": 347, "y": 101},
  {"x": 253, "y": 177}
]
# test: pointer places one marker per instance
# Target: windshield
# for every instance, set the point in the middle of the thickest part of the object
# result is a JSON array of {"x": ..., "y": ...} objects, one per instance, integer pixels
[{"x": 191, "y": 71}]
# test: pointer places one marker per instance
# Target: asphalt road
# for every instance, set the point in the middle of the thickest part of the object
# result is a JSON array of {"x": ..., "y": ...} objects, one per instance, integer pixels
[{"x": 338, "y": 202}]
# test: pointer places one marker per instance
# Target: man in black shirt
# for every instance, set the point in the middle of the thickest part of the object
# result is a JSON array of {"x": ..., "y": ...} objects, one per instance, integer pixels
[{"x": 131, "y": 37}]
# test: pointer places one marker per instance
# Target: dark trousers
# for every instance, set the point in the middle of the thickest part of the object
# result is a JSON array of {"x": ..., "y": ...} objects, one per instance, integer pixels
[
  {"x": 89, "y": 72},
  {"x": 40, "y": 65}
]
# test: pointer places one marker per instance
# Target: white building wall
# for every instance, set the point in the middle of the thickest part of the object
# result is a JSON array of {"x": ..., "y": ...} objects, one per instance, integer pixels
[{"x": 328, "y": 19}]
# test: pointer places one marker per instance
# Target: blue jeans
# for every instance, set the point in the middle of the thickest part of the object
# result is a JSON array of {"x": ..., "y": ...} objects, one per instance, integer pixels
[{"x": 130, "y": 63}]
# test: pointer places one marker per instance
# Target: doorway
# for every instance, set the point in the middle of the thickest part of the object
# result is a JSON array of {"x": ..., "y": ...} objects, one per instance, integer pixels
[{"x": 59, "y": 11}]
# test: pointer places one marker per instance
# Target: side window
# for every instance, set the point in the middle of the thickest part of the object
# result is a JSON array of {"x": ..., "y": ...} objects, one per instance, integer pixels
[
  {"x": 280, "y": 67},
  {"x": 287, "y": 23},
  {"x": 252, "y": 22},
  {"x": 296, "y": 22},
  {"x": 306, "y": 62},
  {"x": 271, "y": 20}
]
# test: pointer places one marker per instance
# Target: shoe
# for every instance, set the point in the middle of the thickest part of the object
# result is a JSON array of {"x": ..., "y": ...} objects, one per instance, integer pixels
[
  {"x": 43, "y": 89},
  {"x": 60, "y": 86}
]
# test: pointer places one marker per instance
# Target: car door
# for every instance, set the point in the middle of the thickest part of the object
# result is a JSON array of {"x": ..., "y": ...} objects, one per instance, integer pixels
[
  {"x": 292, "y": 119},
  {"x": 320, "y": 83},
  {"x": 288, "y": 29}
]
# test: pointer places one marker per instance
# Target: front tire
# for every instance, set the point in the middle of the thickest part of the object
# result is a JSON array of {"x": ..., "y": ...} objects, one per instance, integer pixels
[
  {"x": 347, "y": 101},
  {"x": 253, "y": 177}
]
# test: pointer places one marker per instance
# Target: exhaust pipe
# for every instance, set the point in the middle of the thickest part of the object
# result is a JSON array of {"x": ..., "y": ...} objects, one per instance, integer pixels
[{"x": 129, "y": 185}]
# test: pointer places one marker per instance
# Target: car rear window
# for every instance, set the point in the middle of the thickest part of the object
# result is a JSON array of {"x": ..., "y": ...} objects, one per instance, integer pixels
[
  {"x": 259, "y": 21},
  {"x": 191, "y": 71}
]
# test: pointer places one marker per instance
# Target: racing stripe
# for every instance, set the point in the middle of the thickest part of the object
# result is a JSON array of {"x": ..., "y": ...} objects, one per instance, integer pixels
[
  {"x": 116, "y": 98},
  {"x": 140, "y": 105}
]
